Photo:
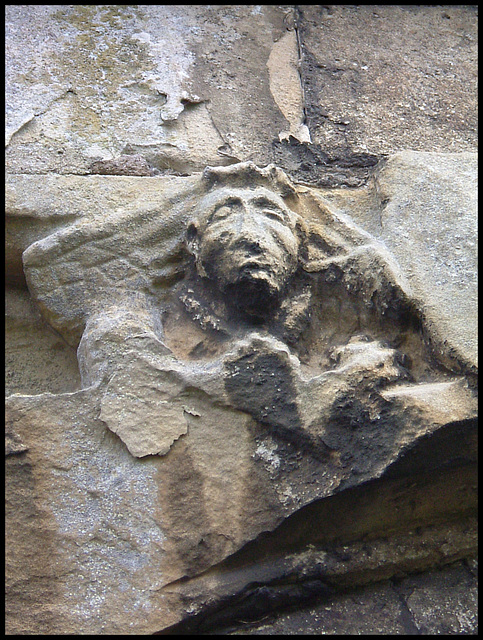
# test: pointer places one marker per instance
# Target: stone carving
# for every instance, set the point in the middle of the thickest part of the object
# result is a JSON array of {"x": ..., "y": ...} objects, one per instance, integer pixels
[
  {"x": 246, "y": 351},
  {"x": 255, "y": 294}
]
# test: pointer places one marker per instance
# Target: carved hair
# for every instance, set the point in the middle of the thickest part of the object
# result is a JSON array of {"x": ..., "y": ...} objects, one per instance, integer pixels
[{"x": 247, "y": 174}]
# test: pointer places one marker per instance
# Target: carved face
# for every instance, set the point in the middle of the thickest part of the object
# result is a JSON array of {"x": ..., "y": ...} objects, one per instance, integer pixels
[{"x": 245, "y": 240}]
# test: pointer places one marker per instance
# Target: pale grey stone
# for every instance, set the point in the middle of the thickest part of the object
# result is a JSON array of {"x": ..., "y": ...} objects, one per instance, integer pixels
[
  {"x": 91, "y": 83},
  {"x": 423, "y": 208},
  {"x": 429, "y": 223}
]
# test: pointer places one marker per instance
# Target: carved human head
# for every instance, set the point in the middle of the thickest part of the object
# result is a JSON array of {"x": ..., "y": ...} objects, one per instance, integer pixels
[{"x": 244, "y": 237}]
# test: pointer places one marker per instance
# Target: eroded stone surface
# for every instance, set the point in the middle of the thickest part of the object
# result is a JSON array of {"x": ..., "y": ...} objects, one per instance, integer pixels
[
  {"x": 423, "y": 207},
  {"x": 115, "y": 534},
  {"x": 118, "y": 529},
  {"x": 134, "y": 165},
  {"x": 437, "y": 602},
  {"x": 305, "y": 358},
  {"x": 37, "y": 359},
  {"x": 252, "y": 586},
  {"x": 429, "y": 223},
  {"x": 72, "y": 521},
  {"x": 373, "y": 86},
  {"x": 263, "y": 291},
  {"x": 159, "y": 85},
  {"x": 321, "y": 384},
  {"x": 443, "y": 602},
  {"x": 181, "y": 90}
]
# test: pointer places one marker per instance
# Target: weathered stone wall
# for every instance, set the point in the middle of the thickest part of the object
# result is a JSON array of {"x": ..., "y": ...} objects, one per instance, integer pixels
[
  {"x": 113, "y": 113},
  {"x": 187, "y": 86}
]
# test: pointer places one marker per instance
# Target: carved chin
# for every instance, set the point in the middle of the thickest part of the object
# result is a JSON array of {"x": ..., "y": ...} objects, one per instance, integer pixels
[{"x": 254, "y": 294}]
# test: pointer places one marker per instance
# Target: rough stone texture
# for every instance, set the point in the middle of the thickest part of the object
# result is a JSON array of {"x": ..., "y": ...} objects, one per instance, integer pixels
[
  {"x": 376, "y": 610},
  {"x": 443, "y": 273},
  {"x": 373, "y": 86},
  {"x": 134, "y": 165},
  {"x": 251, "y": 586},
  {"x": 37, "y": 359},
  {"x": 443, "y": 602},
  {"x": 423, "y": 207},
  {"x": 38, "y": 205},
  {"x": 432, "y": 603},
  {"x": 221, "y": 447},
  {"x": 181, "y": 92},
  {"x": 235, "y": 430},
  {"x": 66, "y": 505},
  {"x": 179, "y": 85},
  {"x": 115, "y": 533},
  {"x": 373, "y": 83}
]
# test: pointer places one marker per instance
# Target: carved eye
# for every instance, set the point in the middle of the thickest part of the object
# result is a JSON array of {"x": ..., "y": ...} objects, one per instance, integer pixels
[
  {"x": 221, "y": 213},
  {"x": 275, "y": 214}
]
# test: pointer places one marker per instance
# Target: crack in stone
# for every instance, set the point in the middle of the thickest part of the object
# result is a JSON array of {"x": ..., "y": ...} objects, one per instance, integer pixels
[
  {"x": 407, "y": 618},
  {"x": 296, "y": 14}
]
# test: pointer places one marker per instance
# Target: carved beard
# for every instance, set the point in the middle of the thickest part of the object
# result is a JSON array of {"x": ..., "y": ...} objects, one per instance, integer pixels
[{"x": 253, "y": 294}]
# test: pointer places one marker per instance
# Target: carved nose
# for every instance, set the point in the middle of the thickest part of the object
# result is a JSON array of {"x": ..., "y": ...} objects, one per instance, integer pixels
[
  {"x": 248, "y": 222},
  {"x": 249, "y": 232},
  {"x": 252, "y": 245}
]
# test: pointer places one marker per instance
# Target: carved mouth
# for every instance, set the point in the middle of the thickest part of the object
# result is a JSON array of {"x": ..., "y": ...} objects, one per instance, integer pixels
[
  {"x": 252, "y": 267},
  {"x": 253, "y": 292}
]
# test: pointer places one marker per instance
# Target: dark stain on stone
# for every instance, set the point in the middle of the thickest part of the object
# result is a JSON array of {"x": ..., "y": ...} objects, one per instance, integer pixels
[
  {"x": 254, "y": 603},
  {"x": 310, "y": 164},
  {"x": 261, "y": 384},
  {"x": 183, "y": 501}
]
